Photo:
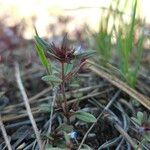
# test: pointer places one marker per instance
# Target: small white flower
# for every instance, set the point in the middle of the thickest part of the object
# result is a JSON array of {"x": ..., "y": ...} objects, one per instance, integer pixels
[
  {"x": 73, "y": 135},
  {"x": 78, "y": 50}
]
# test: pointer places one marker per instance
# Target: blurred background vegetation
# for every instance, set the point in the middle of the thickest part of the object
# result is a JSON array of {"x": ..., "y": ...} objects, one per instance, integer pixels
[
  {"x": 117, "y": 29},
  {"x": 46, "y": 12}
]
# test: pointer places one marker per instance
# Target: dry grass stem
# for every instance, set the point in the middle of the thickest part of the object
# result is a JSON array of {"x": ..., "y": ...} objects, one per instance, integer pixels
[
  {"x": 4, "y": 133},
  {"x": 52, "y": 110},
  {"x": 27, "y": 105},
  {"x": 145, "y": 101},
  {"x": 126, "y": 136},
  {"x": 106, "y": 108}
]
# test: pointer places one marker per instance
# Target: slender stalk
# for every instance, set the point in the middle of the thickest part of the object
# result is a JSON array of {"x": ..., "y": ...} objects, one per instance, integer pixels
[
  {"x": 126, "y": 136},
  {"x": 27, "y": 105},
  {"x": 114, "y": 98},
  {"x": 4, "y": 133},
  {"x": 63, "y": 91},
  {"x": 52, "y": 110}
]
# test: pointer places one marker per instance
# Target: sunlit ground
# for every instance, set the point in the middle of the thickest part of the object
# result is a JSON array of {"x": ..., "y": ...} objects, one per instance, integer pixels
[{"x": 42, "y": 13}]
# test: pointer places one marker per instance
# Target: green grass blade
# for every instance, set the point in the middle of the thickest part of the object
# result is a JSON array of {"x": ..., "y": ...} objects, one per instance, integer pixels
[
  {"x": 139, "y": 54},
  {"x": 131, "y": 32},
  {"x": 43, "y": 58}
]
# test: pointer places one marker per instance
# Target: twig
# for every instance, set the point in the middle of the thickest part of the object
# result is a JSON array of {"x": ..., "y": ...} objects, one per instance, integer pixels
[
  {"x": 126, "y": 136},
  {"x": 27, "y": 105},
  {"x": 110, "y": 143},
  {"x": 21, "y": 123},
  {"x": 13, "y": 117},
  {"x": 106, "y": 108},
  {"x": 40, "y": 94},
  {"x": 145, "y": 101},
  {"x": 122, "y": 130},
  {"x": 36, "y": 111},
  {"x": 52, "y": 109},
  {"x": 30, "y": 99},
  {"x": 4, "y": 133},
  {"x": 90, "y": 95}
]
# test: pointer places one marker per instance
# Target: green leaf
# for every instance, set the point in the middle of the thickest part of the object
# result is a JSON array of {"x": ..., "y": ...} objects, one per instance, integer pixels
[
  {"x": 42, "y": 43},
  {"x": 139, "y": 119},
  {"x": 136, "y": 120},
  {"x": 147, "y": 137},
  {"x": 75, "y": 85},
  {"x": 84, "y": 116},
  {"x": 55, "y": 148},
  {"x": 49, "y": 137},
  {"x": 140, "y": 116},
  {"x": 1, "y": 94},
  {"x": 131, "y": 33},
  {"x": 46, "y": 108},
  {"x": 148, "y": 120},
  {"x": 68, "y": 68},
  {"x": 67, "y": 138},
  {"x": 85, "y": 54},
  {"x": 42, "y": 57},
  {"x": 51, "y": 78},
  {"x": 86, "y": 147},
  {"x": 42, "y": 46},
  {"x": 65, "y": 127}
]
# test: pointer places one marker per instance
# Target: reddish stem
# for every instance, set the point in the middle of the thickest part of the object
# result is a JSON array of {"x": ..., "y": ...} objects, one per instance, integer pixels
[{"x": 63, "y": 92}]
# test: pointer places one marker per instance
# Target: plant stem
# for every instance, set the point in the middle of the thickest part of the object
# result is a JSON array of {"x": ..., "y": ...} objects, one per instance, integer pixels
[
  {"x": 63, "y": 92},
  {"x": 4, "y": 133},
  {"x": 27, "y": 105}
]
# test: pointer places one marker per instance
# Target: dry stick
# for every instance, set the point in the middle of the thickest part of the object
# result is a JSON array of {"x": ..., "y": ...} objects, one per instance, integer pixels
[
  {"x": 145, "y": 101},
  {"x": 40, "y": 94},
  {"x": 48, "y": 90},
  {"x": 12, "y": 117},
  {"x": 35, "y": 112},
  {"x": 105, "y": 109},
  {"x": 126, "y": 136},
  {"x": 90, "y": 95},
  {"x": 27, "y": 105},
  {"x": 52, "y": 110},
  {"x": 31, "y": 99},
  {"x": 4, "y": 133}
]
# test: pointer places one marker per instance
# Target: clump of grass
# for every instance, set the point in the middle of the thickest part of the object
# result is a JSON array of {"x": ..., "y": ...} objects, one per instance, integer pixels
[
  {"x": 127, "y": 52},
  {"x": 103, "y": 38},
  {"x": 127, "y": 49}
]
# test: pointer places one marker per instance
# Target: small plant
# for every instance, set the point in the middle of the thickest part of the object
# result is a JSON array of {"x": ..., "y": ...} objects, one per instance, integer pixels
[
  {"x": 62, "y": 64},
  {"x": 103, "y": 38},
  {"x": 127, "y": 49},
  {"x": 142, "y": 122},
  {"x": 128, "y": 53}
]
